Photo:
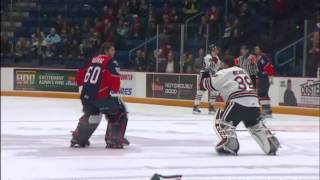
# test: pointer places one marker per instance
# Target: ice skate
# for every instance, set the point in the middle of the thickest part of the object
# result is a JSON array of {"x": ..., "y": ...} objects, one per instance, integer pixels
[
  {"x": 211, "y": 110},
  {"x": 74, "y": 143},
  {"x": 196, "y": 110}
]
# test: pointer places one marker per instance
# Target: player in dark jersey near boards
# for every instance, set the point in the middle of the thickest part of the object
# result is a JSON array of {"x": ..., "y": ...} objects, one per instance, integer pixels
[
  {"x": 99, "y": 78},
  {"x": 265, "y": 77}
]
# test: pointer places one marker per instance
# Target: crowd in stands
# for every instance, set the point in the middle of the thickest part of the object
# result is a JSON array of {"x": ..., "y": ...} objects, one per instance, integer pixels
[{"x": 247, "y": 23}]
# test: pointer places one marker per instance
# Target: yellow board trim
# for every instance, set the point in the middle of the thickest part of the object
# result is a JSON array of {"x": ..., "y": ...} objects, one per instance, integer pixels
[{"x": 159, "y": 101}]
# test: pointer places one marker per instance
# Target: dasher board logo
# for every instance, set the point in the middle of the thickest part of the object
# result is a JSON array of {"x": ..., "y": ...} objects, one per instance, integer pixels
[
  {"x": 45, "y": 80},
  {"x": 301, "y": 92},
  {"x": 128, "y": 84},
  {"x": 24, "y": 80},
  {"x": 310, "y": 93},
  {"x": 171, "y": 86}
]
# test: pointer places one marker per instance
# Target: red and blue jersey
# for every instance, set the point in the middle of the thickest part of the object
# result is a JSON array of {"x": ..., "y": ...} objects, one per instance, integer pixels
[
  {"x": 99, "y": 77},
  {"x": 264, "y": 66}
]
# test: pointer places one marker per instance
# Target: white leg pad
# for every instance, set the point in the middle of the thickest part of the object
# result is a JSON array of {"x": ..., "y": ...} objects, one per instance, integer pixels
[
  {"x": 265, "y": 139},
  {"x": 227, "y": 135}
]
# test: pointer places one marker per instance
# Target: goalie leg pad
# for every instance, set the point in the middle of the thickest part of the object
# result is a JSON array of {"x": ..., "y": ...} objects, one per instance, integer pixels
[
  {"x": 116, "y": 130},
  {"x": 229, "y": 143},
  {"x": 266, "y": 140},
  {"x": 86, "y": 127}
]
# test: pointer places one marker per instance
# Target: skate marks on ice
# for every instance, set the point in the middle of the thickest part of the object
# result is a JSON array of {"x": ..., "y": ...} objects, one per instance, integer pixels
[
  {"x": 147, "y": 156},
  {"x": 190, "y": 157},
  {"x": 166, "y": 140}
]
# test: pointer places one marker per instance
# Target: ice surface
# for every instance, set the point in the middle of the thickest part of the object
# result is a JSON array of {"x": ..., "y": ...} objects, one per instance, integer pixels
[{"x": 35, "y": 135}]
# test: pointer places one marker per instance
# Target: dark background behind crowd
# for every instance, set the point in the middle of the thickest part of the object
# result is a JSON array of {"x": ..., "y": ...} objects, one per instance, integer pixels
[{"x": 64, "y": 33}]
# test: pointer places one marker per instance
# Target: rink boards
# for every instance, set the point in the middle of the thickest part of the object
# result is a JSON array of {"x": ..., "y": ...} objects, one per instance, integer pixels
[{"x": 153, "y": 88}]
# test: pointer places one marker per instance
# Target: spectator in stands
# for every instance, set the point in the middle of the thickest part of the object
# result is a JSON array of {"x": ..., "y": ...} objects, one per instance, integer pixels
[
  {"x": 98, "y": 26},
  {"x": 190, "y": 8},
  {"x": 202, "y": 27},
  {"x": 315, "y": 39},
  {"x": 279, "y": 8},
  {"x": 85, "y": 29},
  {"x": 109, "y": 31},
  {"x": 123, "y": 11},
  {"x": 122, "y": 32},
  {"x": 187, "y": 62},
  {"x": 198, "y": 62},
  {"x": 104, "y": 12},
  {"x": 64, "y": 34},
  {"x": 167, "y": 25},
  {"x": 72, "y": 34},
  {"x": 227, "y": 34},
  {"x": 22, "y": 48},
  {"x": 78, "y": 33},
  {"x": 59, "y": 23},
  {"x": 171, "y": 64},
  {"x": 143, "y": 6},
  {"x": 122, "y": 29},
  {"x": 136, "y": 29},
  {"x": 86, "y": 49},
  {"x": 244, "y": 12},
  {"x": 110, "y": 17},
  {"x": 151, "y": 27},
  {"x": 228, "y": 58},
  {"x": 37, "y": 43},
  {"x": 53, "y": 37},
  {"x": 174, "y": 16},
  {"x": 6, "y": 47},
  {"x": 213, "y": 21},
  {"x": 115, "y": 4},
  {"x": 237, "y": 32},
  {"x": 134, "y": 7},
  {"x": 64, "y": 49},
  {"x": 95, "y": 39},
  {"x": 313, "y": 62},
  {"x": 151, "y": 61},
  {"x": 140, "y": 61},
  {"x": 161, "y": 59},
  {"x": 163, "y": 55},
  {"x": 165, "y": 9},
  {"x": 52, "y": 40},
  {"x": 74, "y": 49},
  {"x": 151, "y": 14}
]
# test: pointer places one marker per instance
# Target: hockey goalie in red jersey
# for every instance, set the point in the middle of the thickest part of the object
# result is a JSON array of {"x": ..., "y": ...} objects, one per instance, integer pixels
[{"x": 99, "y": 78}]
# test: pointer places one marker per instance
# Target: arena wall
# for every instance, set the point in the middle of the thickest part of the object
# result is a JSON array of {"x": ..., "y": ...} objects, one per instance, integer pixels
[{"x": 152, "y": 88}]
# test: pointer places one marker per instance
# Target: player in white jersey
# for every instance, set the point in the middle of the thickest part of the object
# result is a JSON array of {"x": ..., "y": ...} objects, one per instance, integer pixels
[
  {"x": 211, "y": 64},
  {"x": 242, "y": 104}
]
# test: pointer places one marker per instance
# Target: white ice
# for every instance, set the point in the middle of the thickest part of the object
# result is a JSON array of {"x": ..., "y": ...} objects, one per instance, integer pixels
[{"x": 35, "y": 135}]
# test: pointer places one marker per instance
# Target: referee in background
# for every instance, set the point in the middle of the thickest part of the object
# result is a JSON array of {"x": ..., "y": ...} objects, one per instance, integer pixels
[{"x": 248, "y": 62}]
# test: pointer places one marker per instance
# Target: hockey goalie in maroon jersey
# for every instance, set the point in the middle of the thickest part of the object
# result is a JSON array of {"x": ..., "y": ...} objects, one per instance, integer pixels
[{"x": 99, "y": 78}]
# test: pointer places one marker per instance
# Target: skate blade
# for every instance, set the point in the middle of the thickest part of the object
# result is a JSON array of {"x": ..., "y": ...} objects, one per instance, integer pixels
[{"x": 194, "y": 112}]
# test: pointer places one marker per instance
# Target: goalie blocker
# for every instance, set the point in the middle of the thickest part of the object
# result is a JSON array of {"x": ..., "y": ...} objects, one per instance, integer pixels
[{"x": 242, "y": 104}]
